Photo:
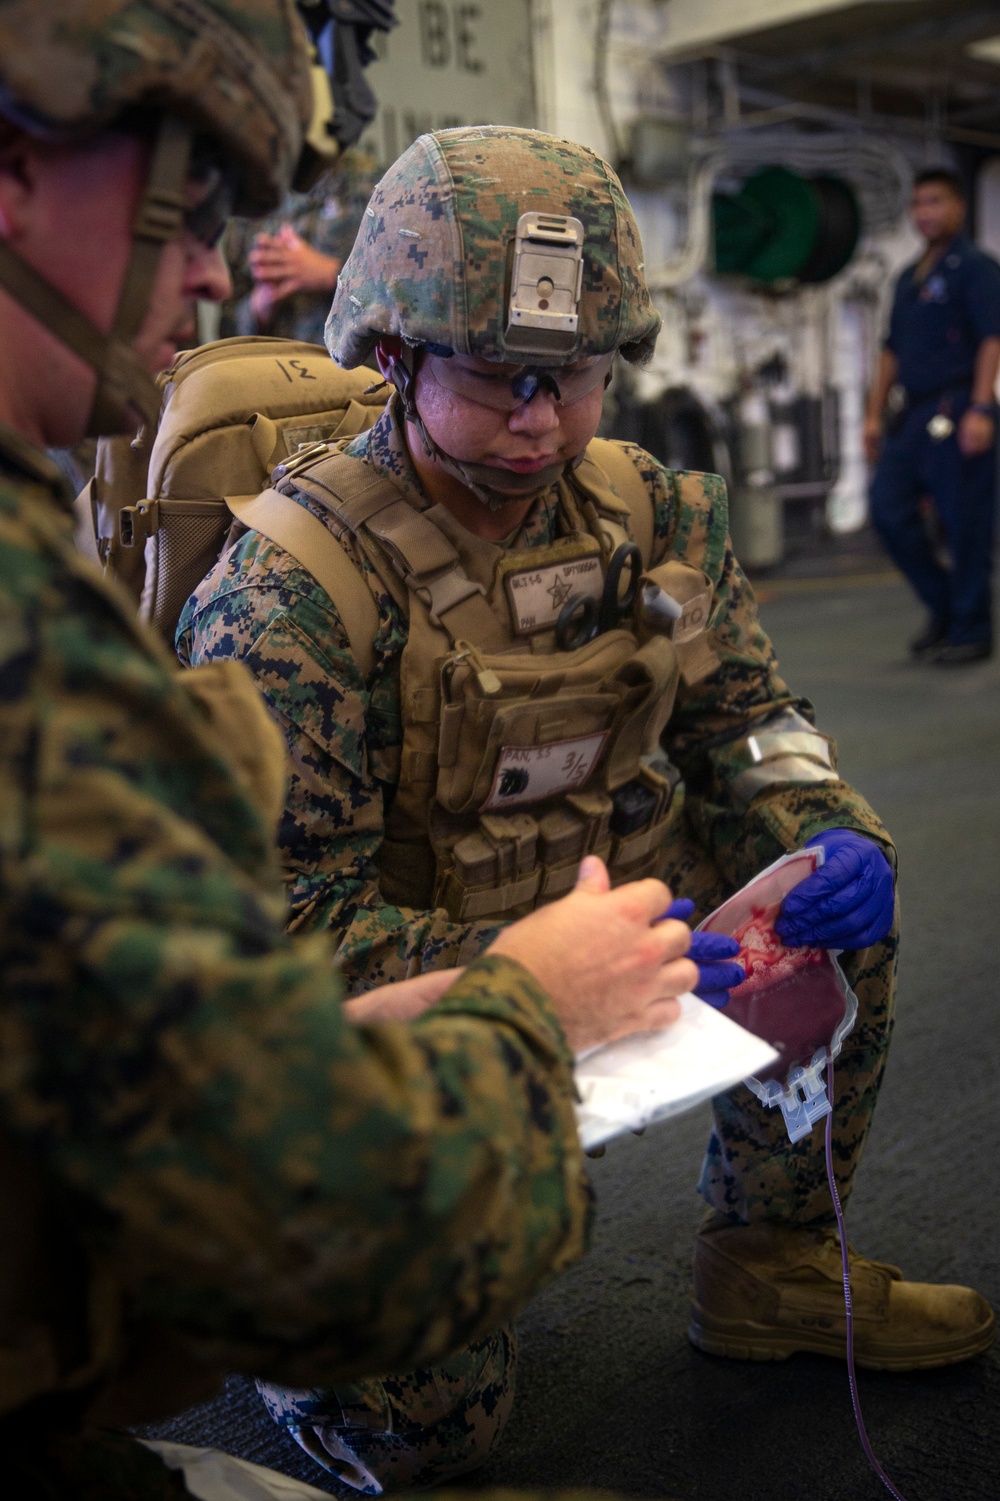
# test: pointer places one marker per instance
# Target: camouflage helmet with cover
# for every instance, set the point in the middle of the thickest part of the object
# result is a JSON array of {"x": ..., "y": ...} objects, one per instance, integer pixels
[
  {"x": 226, "y": 80},
  {"x": 433, "y": 260},
  {"x": 500, "y": 244}
]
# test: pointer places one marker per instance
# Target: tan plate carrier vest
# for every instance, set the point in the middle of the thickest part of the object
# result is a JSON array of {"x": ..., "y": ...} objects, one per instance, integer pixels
[{"x": 518, "y": 758}]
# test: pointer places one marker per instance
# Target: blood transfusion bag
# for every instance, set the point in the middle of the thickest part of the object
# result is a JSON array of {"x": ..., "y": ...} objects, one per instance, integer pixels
[{"x": 797, "y": 999}]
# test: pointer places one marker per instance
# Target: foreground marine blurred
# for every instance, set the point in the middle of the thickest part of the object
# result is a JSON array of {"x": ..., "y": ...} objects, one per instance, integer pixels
[
  {"x": 529, "y": 596},
  {"x": 207, "y": 1163}
]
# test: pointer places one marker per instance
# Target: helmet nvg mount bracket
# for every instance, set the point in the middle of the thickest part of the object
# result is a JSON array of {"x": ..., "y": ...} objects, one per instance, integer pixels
[{"x": 544, "y": 309}]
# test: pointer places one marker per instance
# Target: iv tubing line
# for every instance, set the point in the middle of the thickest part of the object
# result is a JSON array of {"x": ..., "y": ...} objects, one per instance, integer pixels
[{"x": 845, "y": 1262}]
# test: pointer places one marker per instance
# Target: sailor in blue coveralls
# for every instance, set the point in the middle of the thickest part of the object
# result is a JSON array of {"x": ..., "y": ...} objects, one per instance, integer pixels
[{"x": 931, "y": 424}]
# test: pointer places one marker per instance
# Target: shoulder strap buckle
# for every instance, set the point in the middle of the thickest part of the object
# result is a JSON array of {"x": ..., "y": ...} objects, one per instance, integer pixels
[
  {"x": 136, "y": 523},
  {"x": 294, "y": 465},
  {"x": 443, "y": 593}
]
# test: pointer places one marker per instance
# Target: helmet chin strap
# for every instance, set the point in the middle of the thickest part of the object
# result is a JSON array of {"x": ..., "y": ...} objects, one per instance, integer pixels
[
  {"x": 494, "y": 488},
  {"x": 126, "y": 393}
]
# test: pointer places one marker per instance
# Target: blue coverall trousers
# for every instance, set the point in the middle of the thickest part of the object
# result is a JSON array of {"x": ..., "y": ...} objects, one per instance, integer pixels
[{"x": 913, "y": 464}]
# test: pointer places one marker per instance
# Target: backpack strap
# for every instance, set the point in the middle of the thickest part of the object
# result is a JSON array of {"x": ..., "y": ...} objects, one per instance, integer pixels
[
  {"x": 629, "y": 486},
  {"x": 370, "y": 504},
  {"x": 283, "y": 521},
  {"x": 361, "y": 499}
]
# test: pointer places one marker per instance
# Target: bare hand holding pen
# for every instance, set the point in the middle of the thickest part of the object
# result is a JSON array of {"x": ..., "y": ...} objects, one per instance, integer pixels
[{"x": 609, "y": 966}]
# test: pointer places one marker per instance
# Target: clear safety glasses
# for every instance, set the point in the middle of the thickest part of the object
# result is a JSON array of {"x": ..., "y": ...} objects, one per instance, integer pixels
[
  {"x": 209, "y": 195},
  {"x": 506, "y": 387},
  {"x": 212, "y": 191}
]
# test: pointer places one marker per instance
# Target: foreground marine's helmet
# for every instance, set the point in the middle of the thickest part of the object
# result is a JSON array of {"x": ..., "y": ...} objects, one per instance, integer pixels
[
  {"x": 228, "y": 81},
  {"x": 501, "y": 244}
]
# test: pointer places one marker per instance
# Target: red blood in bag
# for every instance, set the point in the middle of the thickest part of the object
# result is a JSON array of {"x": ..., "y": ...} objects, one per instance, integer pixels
[
  {"x": 791, "y": 997},
  {"x": 762, "y": 953}
]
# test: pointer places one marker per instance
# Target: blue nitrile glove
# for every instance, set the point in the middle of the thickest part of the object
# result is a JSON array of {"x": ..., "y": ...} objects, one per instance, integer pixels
[
  {"x": 847, "y": 903},
  {"x": 710, "y": 951}
]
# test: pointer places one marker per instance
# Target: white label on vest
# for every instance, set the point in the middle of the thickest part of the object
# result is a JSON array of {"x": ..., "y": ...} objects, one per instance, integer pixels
[
  {"x": 538, "y": 594},
  {"x": 695, "y": 618},
  {"x": 529, "y": 773}
]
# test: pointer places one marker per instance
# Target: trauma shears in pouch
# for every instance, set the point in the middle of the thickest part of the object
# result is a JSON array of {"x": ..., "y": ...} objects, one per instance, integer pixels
[{"x": 582, "y": 618}]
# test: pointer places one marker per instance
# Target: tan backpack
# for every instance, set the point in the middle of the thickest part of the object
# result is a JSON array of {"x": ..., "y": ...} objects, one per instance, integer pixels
[{"x": 159, "y": 509}]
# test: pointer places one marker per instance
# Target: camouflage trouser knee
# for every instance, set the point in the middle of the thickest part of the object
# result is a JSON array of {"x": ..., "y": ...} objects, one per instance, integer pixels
[
  {"x": 751, "y": 1170},
  {"x": 415, "y": 1430}
]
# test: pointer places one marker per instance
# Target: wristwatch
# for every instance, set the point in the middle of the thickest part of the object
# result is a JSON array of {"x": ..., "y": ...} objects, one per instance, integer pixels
[{"x": 984, "y": 408}]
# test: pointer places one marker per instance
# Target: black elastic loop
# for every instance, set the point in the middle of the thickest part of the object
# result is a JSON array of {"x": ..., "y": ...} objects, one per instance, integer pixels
[
  {"x": 577, "y": 623},
  {"x": 613, "y": 607}
]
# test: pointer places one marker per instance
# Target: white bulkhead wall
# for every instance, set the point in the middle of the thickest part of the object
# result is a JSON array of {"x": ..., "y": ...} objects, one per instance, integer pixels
[
  {"x": 533, "y": 61},
  {"x": 716, "y": 334},
  {"x": 447, "y": 63}
]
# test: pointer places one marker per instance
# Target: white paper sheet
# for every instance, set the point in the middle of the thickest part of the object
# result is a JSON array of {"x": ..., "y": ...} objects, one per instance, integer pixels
[
  {"x": 654, "y": 1075},
  {"x": 211, "y": 1475}
]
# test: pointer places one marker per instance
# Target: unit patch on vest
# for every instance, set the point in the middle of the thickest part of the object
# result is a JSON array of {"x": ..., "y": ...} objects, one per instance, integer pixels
[
  {"x": 529, "y": 773},
  {"x": 536, "y": 595}
]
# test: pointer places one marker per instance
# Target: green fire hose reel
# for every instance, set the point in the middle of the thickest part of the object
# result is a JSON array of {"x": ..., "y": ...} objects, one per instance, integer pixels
[{"x": 783, "y": 227}]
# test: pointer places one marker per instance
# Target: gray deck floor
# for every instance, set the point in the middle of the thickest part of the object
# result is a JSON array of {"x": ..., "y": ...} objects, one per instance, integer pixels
[{"x": 610, "y": 1393}]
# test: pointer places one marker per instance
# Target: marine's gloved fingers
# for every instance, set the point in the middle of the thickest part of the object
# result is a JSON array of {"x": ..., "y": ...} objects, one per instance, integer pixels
[
  {"x": 836, "y": 935},
  {"x": 711, "y": 952},
  {"x": 845, "y": 880},
  {"x": 854, "y": 905},
  {"x": 679, "y": 910},
  {"x": 839, "y": 843},
  {"x": 847, "y": 903},
  {"x": 861, "y": 938},
  {"x": 717, "y": 998},
  {"x": 843, "y": 930},
  {"x": 712, "y": 946},
  {"x": 719, "y": 977}
]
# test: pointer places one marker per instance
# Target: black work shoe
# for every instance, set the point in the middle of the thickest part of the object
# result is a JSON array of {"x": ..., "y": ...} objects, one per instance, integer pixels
[
  {"x": 934, "y": 634},
  {"x": 961, "y": 653}
]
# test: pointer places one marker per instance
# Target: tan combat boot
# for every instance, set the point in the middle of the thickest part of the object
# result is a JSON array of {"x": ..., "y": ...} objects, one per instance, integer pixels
[{"x": 765, "y": 1291}]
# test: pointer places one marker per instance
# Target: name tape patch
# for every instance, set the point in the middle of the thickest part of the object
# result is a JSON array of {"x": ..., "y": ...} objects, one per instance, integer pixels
[
  {"x": 529, "y": 773},
  {"x": 537, "y": 595},
  {"x": 695, "y": 618}
]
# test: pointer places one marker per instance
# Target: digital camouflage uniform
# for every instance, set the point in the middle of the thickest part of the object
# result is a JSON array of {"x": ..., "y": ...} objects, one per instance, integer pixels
[
  {"x": 327, "y": 218},
  {"x": 205, "y": 1168},
  {"x": 252, "y": 1183}
]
